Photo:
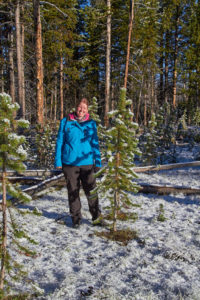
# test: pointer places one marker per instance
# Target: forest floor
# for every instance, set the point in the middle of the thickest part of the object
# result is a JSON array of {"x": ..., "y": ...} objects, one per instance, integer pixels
[{"x": 73, "y": 264}]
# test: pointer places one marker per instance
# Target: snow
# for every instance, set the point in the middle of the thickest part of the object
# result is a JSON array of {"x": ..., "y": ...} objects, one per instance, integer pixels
[
  {"x": 14, "y": 136},
  {"x": 23, "y": 122},
  {"x": 5, "y": 120},
  {"x": 75, "y": 264},
  {"x": 21, "y": 150}
]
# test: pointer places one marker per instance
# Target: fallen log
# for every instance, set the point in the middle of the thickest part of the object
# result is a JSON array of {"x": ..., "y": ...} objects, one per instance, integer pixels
[
  {"x": 166, "y": 167},
  {"x": 144, "y": 188},
  {"x": 166, "y": 190},
  {"x": 25, "y": 179},
  {"x": 53, "y": 181},
  {"x": 45, "y": 173},
  {"x": 34, "y": 173}
]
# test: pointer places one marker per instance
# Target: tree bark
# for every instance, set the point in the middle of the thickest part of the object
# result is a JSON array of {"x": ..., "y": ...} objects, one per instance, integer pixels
[
  {"x": 4, "y": 231},
  {"x": 22, "y": 66},
  {"x": 175, "y": 57},
  {"x": 166, "y": 90},
  {"x": 139, "y": 101},
  {"x": 131, "y": 17},
  {"x": 55, "y": 95},
  {"x": 153, "y": 98},
  {"x": 1, "y": 64},
  {"x": 51, "y": 106},
  {"x": 161, "y": 83},
  {"x": 145, "y": 110},
  {"x": 11, "y": 66},
  {"x": 19, "y": 58},
  {"x": 61, "y": 89},
  {"x": 108, "y": 64},
  {"x": 39, "y": 62}
]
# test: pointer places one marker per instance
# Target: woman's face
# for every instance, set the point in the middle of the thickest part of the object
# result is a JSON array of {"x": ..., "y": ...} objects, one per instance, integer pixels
[{"x": 81, "y": 110}]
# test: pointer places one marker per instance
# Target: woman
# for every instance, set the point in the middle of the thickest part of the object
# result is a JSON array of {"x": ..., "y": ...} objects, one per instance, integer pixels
[{"x": 77, "y": 153}]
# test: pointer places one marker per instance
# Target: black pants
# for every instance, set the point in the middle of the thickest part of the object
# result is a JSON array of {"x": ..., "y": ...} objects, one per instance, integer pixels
[{"x": 75, "y": 175}]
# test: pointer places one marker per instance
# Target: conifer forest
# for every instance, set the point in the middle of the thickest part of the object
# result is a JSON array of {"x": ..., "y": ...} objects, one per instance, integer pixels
[
  {"x": 138, "y": 65},
  {"x": 54, "y": 52}
]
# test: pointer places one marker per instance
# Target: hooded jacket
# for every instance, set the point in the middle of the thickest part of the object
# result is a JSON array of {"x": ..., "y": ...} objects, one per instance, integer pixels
[{"x": 77, "y": 143}]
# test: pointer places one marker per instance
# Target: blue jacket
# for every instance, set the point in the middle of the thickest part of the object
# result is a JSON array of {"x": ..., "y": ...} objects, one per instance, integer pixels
[{"x": 77, "y": 144}]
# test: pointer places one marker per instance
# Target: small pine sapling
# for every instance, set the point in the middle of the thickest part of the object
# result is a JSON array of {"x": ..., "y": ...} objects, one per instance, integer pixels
[
  {"x": 161, "y": 213},
  {"x": 182, "y": 126},
  {"x": 196, "y": 117},
  {"x": 121, "y": 147},
  {"x": 166, "y": 131},
  {"x": 149, "y": 142},
  {"x": 45, "y": 145},
  {"x": 12, "y": 156}
]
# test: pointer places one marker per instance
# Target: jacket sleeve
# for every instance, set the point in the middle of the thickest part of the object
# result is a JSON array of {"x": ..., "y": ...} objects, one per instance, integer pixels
[
  {"x": 95, "y": 147},
  {"x": 59, "y": 144}
]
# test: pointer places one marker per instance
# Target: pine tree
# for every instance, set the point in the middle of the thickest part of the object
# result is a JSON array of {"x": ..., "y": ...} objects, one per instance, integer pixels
[
  {"x": 166, "y": 129},
  {"x": 121, "y": 148},
  {"x": 196, "y": 117},
  {"x": 149, "y": 142},
  {"x": 45, "y": 145},
  {"x": 93, "y": 110},
  {"x": 12, "y": 156},
  {"x": 182, "y": 126}
]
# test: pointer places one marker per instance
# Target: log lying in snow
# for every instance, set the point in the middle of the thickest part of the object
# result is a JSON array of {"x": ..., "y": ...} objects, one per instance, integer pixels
[
  {"x": 166, "y": 190},
  {"x": 40, "y": 173},
  {"x": 59, "y": 180},
  {"x": 45, "y": 173},
  {"x": 25, "y": 179},
  {"x": 56, "y": 180},
  {"x": 144, "y": 188},
  {"x": 166, "y": 167}
]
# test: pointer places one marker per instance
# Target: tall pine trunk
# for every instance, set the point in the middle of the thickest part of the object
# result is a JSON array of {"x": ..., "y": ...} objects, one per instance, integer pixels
[
  {"x": 61, "y": 89},
  {"x": 108, "y": 64},
  {"x": 139, "y": 101},
  {"x": 175, "y": 58},
  {"x": 145, "y": 109},
  {"x": 39, "y": 63},
  {"x": 51, "y": 106},
  {"x": 22, "y": 65},
  {"x": 153, "y": 98},
  {"x": 11, "y": 67},
  {"x": 4, "y": 230},
  {"x": 166, "y": 90},
  {"x": 161, "y": 83},
  {"x": 1, "y": 64},
  {"x": 19, "y": 58},
  {"x": 55, "y": 94},
  {"x": 131, "y": 17}
]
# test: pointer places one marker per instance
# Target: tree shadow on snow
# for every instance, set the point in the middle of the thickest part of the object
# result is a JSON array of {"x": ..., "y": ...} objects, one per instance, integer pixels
[
  {"x": 186, "y": 200},
  {"x": 61, "y": 218}
]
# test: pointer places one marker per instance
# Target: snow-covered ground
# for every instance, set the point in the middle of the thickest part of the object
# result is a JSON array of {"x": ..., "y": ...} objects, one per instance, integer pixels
[{"x": 75, "y": 264}]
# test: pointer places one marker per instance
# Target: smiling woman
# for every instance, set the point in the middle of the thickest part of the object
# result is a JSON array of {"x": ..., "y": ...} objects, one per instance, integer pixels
[
  {"x": 82, "y": 108},
  {"x": 77, "y": 153}
]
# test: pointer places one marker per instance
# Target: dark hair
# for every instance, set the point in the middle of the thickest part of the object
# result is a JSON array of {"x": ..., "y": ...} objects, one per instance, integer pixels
[{"x": 83, "y": 100}]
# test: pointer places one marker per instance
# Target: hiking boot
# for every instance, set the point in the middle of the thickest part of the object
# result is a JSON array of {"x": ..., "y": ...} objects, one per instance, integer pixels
[
  {"x": 77, "y": 225},
  {"x": 99, "y": 221}
]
